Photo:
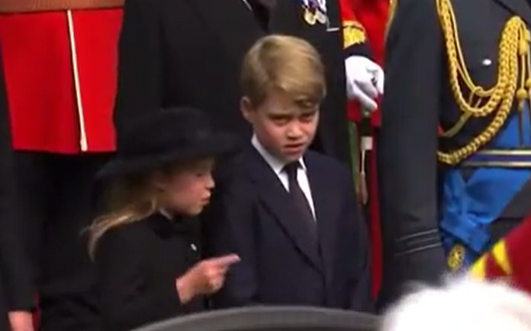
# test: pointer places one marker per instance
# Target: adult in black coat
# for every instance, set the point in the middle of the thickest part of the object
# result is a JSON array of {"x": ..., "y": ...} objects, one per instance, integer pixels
[
  {"x": 189, "y": 52},
  {"x": 454, "y": 170},
  {"x": 16, "y": 292}
]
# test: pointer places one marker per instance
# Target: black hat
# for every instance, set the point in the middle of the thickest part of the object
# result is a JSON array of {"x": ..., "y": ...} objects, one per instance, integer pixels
[{"x": 166, "y": 136}]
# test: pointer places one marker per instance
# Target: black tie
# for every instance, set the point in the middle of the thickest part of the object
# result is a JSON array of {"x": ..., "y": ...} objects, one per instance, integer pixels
[{"x": 299, "y": 199}]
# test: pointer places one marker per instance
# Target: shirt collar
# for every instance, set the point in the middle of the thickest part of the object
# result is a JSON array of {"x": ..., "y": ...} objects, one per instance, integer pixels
[{"x": 273, "y": 162}]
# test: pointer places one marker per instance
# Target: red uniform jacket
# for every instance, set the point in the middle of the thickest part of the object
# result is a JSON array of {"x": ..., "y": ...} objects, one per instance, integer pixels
[
  {"x": 509, "y": 258},
  {"x": 60, "y": 73},
  {"x": 371, "y": 17}
]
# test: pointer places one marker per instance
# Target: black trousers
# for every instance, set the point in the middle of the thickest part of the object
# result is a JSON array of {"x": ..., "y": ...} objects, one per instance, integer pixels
[{"x": 57, "y": 198}]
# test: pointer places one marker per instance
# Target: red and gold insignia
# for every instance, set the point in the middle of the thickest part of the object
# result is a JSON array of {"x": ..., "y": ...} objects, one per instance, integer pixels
[
  {"x": 353, "y": 34},
  {"x": 493, "y": 264}
]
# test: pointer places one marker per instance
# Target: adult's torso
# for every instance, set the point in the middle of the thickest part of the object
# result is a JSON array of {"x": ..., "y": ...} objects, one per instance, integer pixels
[
  {"x": 485, "y": 182},
  {"x": 204, "y": 43}
]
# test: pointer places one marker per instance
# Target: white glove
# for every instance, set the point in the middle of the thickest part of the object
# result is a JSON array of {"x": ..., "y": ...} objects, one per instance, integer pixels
[{"x": 365, "y": 80}]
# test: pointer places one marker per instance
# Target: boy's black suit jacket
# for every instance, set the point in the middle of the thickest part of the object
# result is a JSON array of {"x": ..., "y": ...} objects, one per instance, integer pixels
[{"x": 252, "y": 215}]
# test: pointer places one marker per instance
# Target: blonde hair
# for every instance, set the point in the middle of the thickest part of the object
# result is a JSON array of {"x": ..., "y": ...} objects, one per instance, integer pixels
[
  {"x": 129, "y": 199},
  {"x": 462, "y": 304},
  {"x": 285, "y": 63}
]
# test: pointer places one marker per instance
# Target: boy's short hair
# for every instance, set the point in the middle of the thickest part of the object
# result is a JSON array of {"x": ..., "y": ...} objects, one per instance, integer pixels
[
  {"x": 463, "y": 304},
  {"x": 286, "y": 63}
]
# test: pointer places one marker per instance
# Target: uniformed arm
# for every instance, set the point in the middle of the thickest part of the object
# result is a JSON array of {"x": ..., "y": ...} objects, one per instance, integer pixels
[
  {"x": 140, "y": 63},
  {"x": 408, "y": 145},
  {"x": 230, "y": 230},
  {"x": 373, "y": 15},
  {"x": 364, "y": 77},
  {"x": 356, "y": 240},
  {"x": 354, "y": 36},
  {"x": 15, "y": 261},
  {"x": 125, "y": 304}
]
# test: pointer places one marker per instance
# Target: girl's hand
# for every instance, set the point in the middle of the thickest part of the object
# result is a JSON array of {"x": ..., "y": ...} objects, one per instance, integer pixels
[{"x": 206, "y": 277}]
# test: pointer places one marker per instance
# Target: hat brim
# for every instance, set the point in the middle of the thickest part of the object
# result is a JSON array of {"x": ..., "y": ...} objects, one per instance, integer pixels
[{"x": 215, "y": 146}]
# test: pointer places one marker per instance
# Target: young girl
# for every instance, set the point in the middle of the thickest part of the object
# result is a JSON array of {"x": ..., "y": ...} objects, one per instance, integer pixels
[{"x": 146, "y": 247}]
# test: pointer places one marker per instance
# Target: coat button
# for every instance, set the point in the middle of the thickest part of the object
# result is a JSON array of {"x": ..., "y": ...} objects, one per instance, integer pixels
[
  {"x": 193, "y": 247},
  {"x": 486, "y": 62}
]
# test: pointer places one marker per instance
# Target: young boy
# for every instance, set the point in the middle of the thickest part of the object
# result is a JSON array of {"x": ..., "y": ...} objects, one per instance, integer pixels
[{"x": 289, "y": 213}]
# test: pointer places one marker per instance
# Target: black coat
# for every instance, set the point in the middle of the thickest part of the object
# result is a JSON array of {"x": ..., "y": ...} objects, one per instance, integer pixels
[
  {"x": 138, "y": 265},
  {"x": 189, "y": 52},
  {"x": 417, "y": 99},
  {"x": 16, "y": 291},
  {"x": 281, "y": 264}
]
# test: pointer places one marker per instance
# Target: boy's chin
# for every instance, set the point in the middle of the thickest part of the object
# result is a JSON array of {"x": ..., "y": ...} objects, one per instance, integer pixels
[{"x": 292, "y": 156}]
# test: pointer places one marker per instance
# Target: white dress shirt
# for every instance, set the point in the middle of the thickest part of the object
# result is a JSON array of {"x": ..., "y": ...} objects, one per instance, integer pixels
[{"x": 278, "y": 168}]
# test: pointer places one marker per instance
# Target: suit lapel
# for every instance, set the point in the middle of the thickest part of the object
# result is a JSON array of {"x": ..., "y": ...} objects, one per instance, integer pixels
[
  {"x": 277, "y": 201},
  {"x": 325, "y": 204},
  {"x": 520, "y": 8},
  {"x": 233, "y": 22}
]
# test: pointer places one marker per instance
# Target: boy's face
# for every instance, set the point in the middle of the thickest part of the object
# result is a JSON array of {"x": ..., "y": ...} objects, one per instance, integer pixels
[
  {"x": 186, "y": 190},
  {"x": 282, "y": 126}
]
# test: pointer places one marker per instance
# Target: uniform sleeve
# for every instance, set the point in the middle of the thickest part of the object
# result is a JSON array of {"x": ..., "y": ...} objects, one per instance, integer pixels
[
  {"x": 15, "y": 262},
  {"x": 125, "y": 303},
  {"x": 230, "y": 230},
  {"x": 140, "y": 63},
  {"x": 354, "y": 36},
  {"x": 408, "y": 148}
]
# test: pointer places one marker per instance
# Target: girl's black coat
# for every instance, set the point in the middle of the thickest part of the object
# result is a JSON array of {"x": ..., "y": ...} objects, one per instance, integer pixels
[{"x": 138, "y": 265}]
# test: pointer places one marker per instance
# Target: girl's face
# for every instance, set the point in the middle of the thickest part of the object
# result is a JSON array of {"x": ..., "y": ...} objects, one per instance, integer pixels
[{"x": 186, "y": 190}]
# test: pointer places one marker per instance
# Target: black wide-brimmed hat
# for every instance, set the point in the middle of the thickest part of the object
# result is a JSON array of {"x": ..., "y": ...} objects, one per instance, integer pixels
[{"x": 167, "y": 136}]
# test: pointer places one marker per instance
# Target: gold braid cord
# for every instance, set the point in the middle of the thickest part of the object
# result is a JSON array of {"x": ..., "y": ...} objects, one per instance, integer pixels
[
  {"x": 390, "y": 15},
  {"x": 512, "y": 81}
]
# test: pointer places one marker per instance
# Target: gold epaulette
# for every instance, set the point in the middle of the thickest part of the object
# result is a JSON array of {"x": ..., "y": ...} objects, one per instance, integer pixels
[{"x": 513, "y": 80}]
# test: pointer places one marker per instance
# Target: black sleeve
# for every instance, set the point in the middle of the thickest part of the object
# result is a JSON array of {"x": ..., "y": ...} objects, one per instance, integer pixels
[
  {"x": 15, "y": 262},
  {"x": 230, "y": 229},
  {"x": 125, "y": 302},
  {"x": 361, "y": 49},
  {"x": 407, "y": 149},
  {"x": 139, "y": 63}
]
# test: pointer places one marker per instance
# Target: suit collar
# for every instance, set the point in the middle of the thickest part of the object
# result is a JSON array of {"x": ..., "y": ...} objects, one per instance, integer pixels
[
  {"x": 276, "y": 165},
  {"x": 277, "y": 200},
  {"x": 167, "y": 227},
  {"x": 326, "y": 202}
]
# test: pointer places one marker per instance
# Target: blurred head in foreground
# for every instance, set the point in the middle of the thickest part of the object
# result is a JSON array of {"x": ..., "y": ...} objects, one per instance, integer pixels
[{"x": 462, "y": 304}]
